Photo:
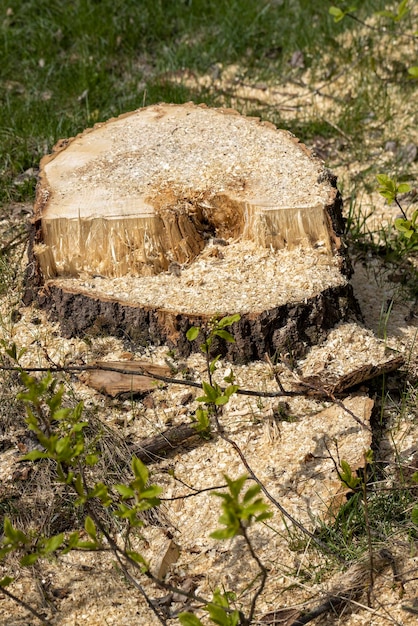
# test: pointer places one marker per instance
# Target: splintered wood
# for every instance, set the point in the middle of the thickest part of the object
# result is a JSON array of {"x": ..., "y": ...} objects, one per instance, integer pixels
[{"x": 350, "y": 356}]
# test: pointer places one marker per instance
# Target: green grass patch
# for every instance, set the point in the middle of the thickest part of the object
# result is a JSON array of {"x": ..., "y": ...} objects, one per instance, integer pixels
[
  {"x": 389, "y": 514},
  {"x": 66, "y": 66}
]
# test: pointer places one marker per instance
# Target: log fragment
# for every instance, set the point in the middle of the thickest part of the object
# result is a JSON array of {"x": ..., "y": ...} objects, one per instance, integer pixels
[
  {"x": 114, "y": 383},
  {"x": 170, "y": 215},
  {"x": 154, "y": 448}
]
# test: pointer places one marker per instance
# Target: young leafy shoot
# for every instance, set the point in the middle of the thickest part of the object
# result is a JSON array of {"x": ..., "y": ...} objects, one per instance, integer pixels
[
  {"x": 140, "y": 494},
  {"x": 338, "y": 14},
  {"x": 239, "y": 510},
  {"x": 390, "y": 189},
  {"x": 219, "y": 611},
  {"x": 397, "y": 15},
  {"x": 347, "y": 476},
  {"x": 216, "y": 328}
]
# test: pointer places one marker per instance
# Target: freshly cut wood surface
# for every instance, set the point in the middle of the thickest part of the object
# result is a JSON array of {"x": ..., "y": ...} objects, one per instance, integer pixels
[
  {"x": 149, "y": 188},
  {"x": 172, "y": 214}
]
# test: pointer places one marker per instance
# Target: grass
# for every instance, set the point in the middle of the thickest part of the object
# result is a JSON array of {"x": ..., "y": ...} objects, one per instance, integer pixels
[{"x": 66, "y": 66}]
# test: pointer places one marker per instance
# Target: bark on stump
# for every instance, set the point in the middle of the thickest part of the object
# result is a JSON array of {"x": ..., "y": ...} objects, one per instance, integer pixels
[{"x": 165, "y": 217}]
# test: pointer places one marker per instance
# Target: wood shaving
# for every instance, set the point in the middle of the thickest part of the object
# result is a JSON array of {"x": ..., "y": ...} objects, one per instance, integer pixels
[{"x": 246, "y": 279}]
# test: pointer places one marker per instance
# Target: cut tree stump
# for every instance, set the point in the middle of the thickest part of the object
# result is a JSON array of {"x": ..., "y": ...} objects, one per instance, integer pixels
[{"x": 168, "y": 216}]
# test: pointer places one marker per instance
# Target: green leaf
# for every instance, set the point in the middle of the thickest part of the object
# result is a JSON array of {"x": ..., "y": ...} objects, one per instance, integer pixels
[
  {"x": 222, "y": 599},
  {"x": 386, "y": 13},
  {"x": 210, "y": 392},
  {"x": 347, "y": 476},
  {"x": 336, "y": 13},
  {"x": 72, "y": 542},
  {"x": 6, "y": 581},
  {"x": 90, "y": 528},
  {"x": 14, "y": 535},
  {"x": 224, "y": 334},
  {"x": 225, "y": 533},
  {"x": 219, "y": 609},
  {"x": 402, "y": 225},
  {"x": 414, "y": 515},
  {"x": 63, "y": 447},
  {"x": 401, "y": 11},
  {"x": 140, "y": 470},
  {"x": 383, "y": 179},
  {"x": 235, "y": 486},
  {"x": 204, "y": 399},
  {"x": 263, "y": 516},
  {"x": 125, "y": 491},
  {"x": 101, "y": 491},
  {"x": 402, "y": 8},
  {"x": 151, "y": 493},
  {"x": 368, "y": 456},
  {"x": 78, "y": 485},
  {"x": 212, "y": 366},
  {"x": 404, "y": 187},
  {"x": 138, "y": 558},
  {"x": 188, "y": 619},
  {"x": 202, "y": 425},
  {"x": 387, "y": 187},
  {"x": 251, "y": 492},
  {"x": 230, "y": 390},
  {"x": 413, "y": 71},
  {"x": 53, "y": 543},
  {"x": 34, "y": 455},
  {"x": 29, "y": 559},
  {"x": 228, "y": 320},
  {"x": 56, "y": 401},
  {"x": 192, "y": 333}
]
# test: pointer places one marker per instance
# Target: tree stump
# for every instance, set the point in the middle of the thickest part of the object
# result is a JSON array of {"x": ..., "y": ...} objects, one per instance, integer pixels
[{"x": 168, "y": 216}]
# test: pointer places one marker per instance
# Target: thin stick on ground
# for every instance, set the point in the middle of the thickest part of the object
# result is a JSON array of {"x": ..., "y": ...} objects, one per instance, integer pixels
[
  {"x": 177, "y": 381},
  {"x": 25, "y": 605}
]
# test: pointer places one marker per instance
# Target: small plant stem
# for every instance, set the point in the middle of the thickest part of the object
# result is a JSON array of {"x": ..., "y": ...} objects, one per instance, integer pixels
[
  {"x": 117, "y": 551},
  {"x": 164, "y": 379},
  {"x": 176, "y": 381},
  {"x": 338, "y": 402},
  {"x": 359, "y": 21},
  {"x": 196, "y": 492},
  {"x": 368, "y": 532},
  {"x": 26, "y": 606},
  {"x": 275, "y": 374},
  {"x": 263, "y": 571},
  {"x": 400, "y": 207},
  {"x": 140, "y": 588},
  {"x": 206, "y": 347},
  {"x": 382, "y": 30}
]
